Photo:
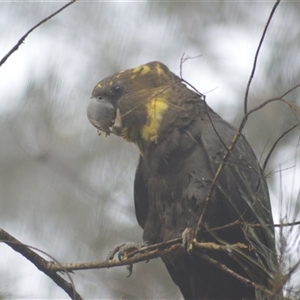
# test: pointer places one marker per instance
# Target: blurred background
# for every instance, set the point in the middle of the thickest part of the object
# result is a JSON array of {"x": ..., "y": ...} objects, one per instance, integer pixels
[{"x": 69, "y": 192}]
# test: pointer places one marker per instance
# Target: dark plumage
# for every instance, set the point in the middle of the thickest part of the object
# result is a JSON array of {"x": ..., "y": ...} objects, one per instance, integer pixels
[{"x": 180, "y": 153}]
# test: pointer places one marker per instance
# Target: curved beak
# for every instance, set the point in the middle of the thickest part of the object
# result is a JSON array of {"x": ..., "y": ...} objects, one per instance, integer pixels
[{"x": 101, "y": 114}]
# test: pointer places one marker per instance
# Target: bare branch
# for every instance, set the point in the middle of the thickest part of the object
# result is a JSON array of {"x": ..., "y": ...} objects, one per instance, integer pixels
[
  {"x": 256, "y": 55},
  {"x": 276, "y": 142},
  {"x": 242, "y": 279},
  {"x": 203, "y": 97},
  {"x": 233, "y": 143},
  {"x": 214, "y": 181},
  {"x": 239, "y": 223},
  {"x": 40, "y": 263},
  {"x": 169, "y": 248},
  {"x": 214, "y": 127},
  {"x": 22, "y": 39},
  {"x": 183, "y": 59}
]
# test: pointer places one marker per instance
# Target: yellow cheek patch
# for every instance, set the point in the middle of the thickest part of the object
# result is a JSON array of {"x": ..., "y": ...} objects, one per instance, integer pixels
[
  {"x": 155, "y": 110},
  {"x": 129, "y": 135}
]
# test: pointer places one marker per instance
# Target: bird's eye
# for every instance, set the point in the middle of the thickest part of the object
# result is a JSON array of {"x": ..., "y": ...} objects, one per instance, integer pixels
[
  {"x": 116, "y": 90},
  {"x": 99, "y": 97}
]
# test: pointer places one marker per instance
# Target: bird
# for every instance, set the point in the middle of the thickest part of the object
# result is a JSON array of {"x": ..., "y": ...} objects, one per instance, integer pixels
[{"x": 182, "y": 144}]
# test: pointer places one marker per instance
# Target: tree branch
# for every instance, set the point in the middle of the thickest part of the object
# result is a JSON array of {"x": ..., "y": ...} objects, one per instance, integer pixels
[
  {"x": 233, "y": 143},
  {"x": 42, "y": 264},
  {"x": 22, "y": 39},
  {"x": 159, "y": 250},
  {"x": 240, "y": 278},
  {"x": 256, "y": 55},
  {"x": 276, "y": 142}
]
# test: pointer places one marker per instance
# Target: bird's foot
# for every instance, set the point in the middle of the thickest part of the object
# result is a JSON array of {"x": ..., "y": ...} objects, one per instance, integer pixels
[
  {"x": 123, "y": 250},
  {"x": 188, "y": 239}
]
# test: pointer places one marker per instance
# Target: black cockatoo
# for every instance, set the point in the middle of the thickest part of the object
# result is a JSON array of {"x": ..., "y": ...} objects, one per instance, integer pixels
[{"x": 182, "y": 143}]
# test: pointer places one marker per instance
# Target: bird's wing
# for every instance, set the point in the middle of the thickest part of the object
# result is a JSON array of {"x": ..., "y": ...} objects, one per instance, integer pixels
[
  {"x": 141, "y": 202},
  {"x": 243, "y": 188}
]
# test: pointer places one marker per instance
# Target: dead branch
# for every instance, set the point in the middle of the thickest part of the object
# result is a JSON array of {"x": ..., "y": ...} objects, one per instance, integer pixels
[
  {"x": 159, "y": 250},
  {"x": 22, "y": 39},
  {"x": 276, "y": 142},
  {"x": 233, "y": 143},
  {"x": 240, "y": 223},
  {"x": 42, "y": 264},
  {"x": 256, "y": 55},
  {"x": 234, "y": 274}
]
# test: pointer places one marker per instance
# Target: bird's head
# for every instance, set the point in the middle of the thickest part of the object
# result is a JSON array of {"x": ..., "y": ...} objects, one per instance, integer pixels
[{"x": 133, "y": 103}]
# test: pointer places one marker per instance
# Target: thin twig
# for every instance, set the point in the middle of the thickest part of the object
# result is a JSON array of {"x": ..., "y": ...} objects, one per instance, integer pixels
[
  {"x": 156, "y": 253},
  {"x": 233, "y": 143},
  {"x": 165, "y": 249},
  {"x": 256, "y": 55},
  {"x": 213, "y": 125},
  {"x": 203, "y": 98},
  {"x": 42, "y": 264},
  {"x": 183, "y": 59},
  {"x": 239, "y": 223},
  {"x": 276, "y": 142},
  {"x": 22, "y": 39},
  {"x": 240, "y": 278},
  {"x": 214, "y": 181}
]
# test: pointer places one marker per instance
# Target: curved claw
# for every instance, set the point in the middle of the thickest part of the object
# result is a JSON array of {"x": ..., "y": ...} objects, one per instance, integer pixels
[
  {"x": 130, "y": 269},
  {"x": 113, "y": 251},
  {"x": 187, "y": 239},
  {"x": 122, "y": 250}
]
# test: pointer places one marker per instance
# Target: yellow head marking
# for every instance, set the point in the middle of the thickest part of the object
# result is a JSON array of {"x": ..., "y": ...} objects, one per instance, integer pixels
[
  {"x": 99, "y": 85},
  {"x": 140, "y": 70},
  {"x": 159, "y": 70},
  {"x": 118, "y": 75},
  {"x": 155, "y": 110}
]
